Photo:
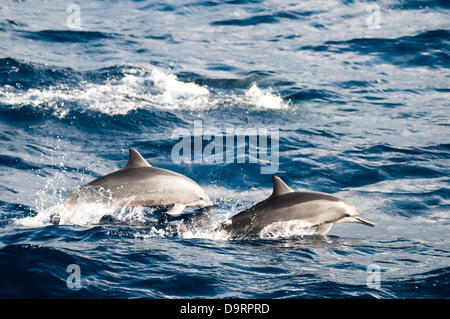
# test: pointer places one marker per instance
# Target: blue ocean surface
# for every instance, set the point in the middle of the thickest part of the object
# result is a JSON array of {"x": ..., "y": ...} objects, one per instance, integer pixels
[{"x": 357, "y": 92}]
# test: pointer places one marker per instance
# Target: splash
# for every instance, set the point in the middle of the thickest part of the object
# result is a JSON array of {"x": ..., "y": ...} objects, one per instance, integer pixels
[
  {"x": 147, "y": 225},
  {"x": 86, "y": 214}
]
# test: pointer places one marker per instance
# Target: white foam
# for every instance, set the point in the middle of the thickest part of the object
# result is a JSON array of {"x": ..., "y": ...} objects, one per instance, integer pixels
[
  {"x": 173, "y": 90},
  {"x": 263, "y": 99},
  {"x": 205, "y": 234},
  {"x": 287, "y": 229},
  {"x": 137, "y": 89},
  {"x": 40, "y": 220}
]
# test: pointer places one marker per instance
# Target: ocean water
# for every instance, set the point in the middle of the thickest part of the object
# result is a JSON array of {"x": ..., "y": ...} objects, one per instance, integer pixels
[{"x": 356, "y": 91}]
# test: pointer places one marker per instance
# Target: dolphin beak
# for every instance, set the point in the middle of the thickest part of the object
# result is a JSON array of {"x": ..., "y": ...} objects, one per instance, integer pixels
[
  {"x": 209, "y": 203},
  {"x": 363, "y": 221},
  {"x": 205, "y": 202}
]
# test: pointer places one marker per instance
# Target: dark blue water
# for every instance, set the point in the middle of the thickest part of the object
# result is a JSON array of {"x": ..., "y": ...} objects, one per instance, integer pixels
[{"x": 360, "y": 101}]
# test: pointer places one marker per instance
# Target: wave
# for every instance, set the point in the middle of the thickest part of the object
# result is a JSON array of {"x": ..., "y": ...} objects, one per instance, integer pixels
[
  {"x": 264, "y": 19},
  {"x": 121, "y": 90},
  {"x": 416, "y": 5},
  {"x": 424, "y": 49},
  {"x": 71, "y": 36}
]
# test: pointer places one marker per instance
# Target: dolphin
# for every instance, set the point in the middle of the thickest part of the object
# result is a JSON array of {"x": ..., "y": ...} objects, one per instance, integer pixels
[
  {"x": 139, "y": 184},
  {"x": 284, "y": 205}
]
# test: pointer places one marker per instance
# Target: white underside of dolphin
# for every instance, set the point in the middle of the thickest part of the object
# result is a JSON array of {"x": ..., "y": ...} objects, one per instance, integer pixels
[
  {"x": 139, "y": 184},
  {"x": 284, "y": 205}
]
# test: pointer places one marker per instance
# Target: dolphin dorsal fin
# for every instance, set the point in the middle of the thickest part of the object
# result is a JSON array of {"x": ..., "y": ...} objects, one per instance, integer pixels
[
  {"x": 136, "y": 160},
  {"x": 279, "y": 187}
]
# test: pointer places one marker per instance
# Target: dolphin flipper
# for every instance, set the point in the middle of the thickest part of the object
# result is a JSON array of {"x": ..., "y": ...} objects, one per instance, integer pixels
[
  {"x": 176, "y": 209},
  {"x": 323, "y": 229}
]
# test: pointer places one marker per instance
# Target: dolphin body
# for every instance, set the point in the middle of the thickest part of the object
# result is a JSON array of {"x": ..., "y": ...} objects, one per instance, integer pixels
[
  {"x": 284, "y": 205},
  {"x": 139, "y": 184}
]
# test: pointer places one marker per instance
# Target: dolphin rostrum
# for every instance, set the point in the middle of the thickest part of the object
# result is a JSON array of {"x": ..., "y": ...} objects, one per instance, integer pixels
[
  {"x": 139, "y": 184},
  {"x": 284, "y": 205}
]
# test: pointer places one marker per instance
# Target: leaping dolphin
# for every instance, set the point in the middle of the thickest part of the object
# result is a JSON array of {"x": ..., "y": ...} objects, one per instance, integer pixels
[
  {"x": 139, "y": 184},
  {"x": 314, "y": 209}
]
